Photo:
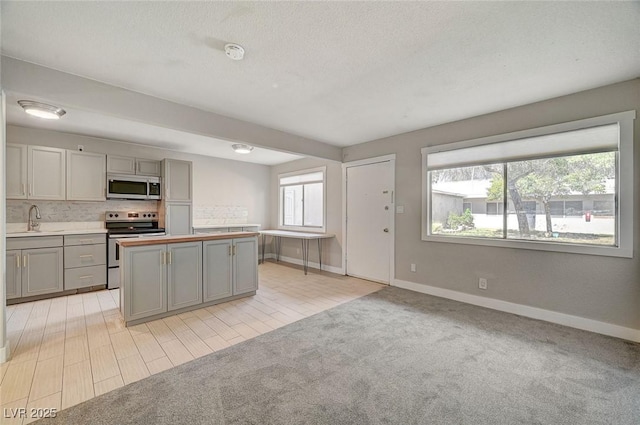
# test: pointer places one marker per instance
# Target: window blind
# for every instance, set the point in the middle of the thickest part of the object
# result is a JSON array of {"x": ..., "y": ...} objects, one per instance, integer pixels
[{"x": 594, "y": 139}]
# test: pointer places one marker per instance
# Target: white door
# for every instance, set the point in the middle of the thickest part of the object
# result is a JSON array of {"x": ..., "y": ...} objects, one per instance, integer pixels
[{"x": 369, "y": 220}]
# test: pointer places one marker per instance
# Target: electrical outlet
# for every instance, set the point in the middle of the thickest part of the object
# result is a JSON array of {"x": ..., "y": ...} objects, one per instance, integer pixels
[
  {"x": 482, "y": 283},
  {"x": 413, "y": 267}
]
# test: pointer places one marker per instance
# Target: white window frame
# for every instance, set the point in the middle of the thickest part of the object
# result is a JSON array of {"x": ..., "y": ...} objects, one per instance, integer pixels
[
  {"x": 624, "y": 188},
  {"x": 314, "y": 229}
]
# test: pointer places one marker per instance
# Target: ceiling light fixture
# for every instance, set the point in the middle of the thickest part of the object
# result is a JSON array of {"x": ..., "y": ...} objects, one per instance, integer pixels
[
  {"x": 238, "y": 148},
  {"x": 42, "y": 110},
  {"x": 234, "y": 51}
]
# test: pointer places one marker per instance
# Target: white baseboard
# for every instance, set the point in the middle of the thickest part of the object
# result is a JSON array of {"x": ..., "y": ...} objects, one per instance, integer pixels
[
  {"x": 312, "y": 264},
  {"x": 4, "y": 353},
  {"x": 525, "y": 310}
]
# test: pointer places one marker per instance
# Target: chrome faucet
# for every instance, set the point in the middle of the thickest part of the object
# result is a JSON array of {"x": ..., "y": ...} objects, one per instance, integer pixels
[{"x": 33, "y": 225}]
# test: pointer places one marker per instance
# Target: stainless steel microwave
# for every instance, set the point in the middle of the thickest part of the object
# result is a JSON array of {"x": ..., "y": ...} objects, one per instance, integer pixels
[{"x": 122, "y": 186}]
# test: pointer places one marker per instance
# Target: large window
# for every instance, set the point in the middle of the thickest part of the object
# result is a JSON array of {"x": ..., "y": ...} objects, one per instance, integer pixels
[
  {"x": 302, "y": 200},
  {"x": 563, "y": 188}
]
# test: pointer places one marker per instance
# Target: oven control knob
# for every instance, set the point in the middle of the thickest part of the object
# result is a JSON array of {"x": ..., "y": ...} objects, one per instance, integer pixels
[
  {"x": 144, "y": 215},
  {"x": 110, "y": 215},
  {"x": 154, "y": 215},
  {"x": 116, "y": 215}
]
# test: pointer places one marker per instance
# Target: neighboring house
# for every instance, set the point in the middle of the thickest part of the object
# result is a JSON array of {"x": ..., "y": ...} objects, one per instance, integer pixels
[{"x": 569, "y": 213}]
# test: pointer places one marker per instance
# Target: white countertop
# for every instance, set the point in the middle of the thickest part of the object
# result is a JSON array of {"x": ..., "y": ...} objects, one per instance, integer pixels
[
  {"x": 55, "y": 233},
  {"x": 296, "y": 235},
  {"x": 223, "y": 226}
]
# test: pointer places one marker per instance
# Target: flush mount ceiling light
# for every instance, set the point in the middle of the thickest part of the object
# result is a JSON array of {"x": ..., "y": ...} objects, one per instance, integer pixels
[
  {"x": 234, "y": 51},
  {"x": 42, "y": 110},
  {"x": 238, "y": 148}
]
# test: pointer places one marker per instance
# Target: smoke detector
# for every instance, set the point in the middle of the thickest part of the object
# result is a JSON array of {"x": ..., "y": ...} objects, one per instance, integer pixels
[{"x": 234, "y": 51}]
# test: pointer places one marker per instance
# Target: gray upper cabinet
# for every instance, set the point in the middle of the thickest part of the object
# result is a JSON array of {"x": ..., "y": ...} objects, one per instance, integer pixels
[
  {"x": 147, "y": 167},
  {"x": 46, "y": 170},
  {"x": 144, "y": 278},
  {"x": 121, "y": 165},
  {"x": 217, "y": 263},
  {"x": 184, "y": 274},
  {"x": 35, "y": 172},
  {"x": 42, "y": 271},
  {"x": 14, "y": 274},
  {"x": 245, "y": 265},
  {"x": 86, "y": 176},
  {"x": 177, "y": 180},
  {"x": 177, "y": 219},
  {"x": 16, "y": 171},
  {"x": 127, "y": 165}
]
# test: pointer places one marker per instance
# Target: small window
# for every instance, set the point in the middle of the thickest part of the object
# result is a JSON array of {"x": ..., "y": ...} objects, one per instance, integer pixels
[
  {"x": 466, "y": 206},
  {"x": 302, "y": 200},
  {"x": 541, "y": 188},
  {"x": 573, "y": 208}
]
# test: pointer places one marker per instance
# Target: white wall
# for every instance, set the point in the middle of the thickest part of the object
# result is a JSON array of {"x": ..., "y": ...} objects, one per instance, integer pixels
[
  {"x": 604, "y": 289},
  {"x": 217, "y": 183},
  {"x": 331, "y": 248},
  {"x": 4, "y": 343}
]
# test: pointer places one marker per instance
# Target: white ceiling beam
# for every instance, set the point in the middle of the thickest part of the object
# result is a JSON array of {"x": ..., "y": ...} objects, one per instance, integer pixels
[{"x": 73, "y": 91}]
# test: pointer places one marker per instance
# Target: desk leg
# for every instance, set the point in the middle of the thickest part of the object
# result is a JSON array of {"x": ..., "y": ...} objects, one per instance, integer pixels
[
  {"x": 320, "y": 253},
  {"x": 305, "y": 255},
  {"x": 264, "y": 237}
]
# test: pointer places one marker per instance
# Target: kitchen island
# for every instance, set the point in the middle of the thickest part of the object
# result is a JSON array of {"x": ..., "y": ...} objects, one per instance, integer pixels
[{"x": 166, "y": 275}]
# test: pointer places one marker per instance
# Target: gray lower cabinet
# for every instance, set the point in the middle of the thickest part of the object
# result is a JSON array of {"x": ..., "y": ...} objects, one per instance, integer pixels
[
  {"x": 42, "y": 271},
  {"x": 217, "y": 267},
  {"x": 184, "y": 274},
  {"x": 14, "y": 274},
  {"x": 85, "y": 261},
  {"x": 157, "y": 279},
  {"x": 144, "y": 280},
  {"x": 245, "y": 265}
]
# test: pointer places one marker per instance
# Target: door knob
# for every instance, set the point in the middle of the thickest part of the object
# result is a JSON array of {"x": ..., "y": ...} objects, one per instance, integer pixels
[{"x": 386, "y": 230}]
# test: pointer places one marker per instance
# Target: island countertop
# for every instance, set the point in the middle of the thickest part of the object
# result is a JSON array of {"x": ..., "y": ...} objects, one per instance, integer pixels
[{"x": 161, "y": 240}]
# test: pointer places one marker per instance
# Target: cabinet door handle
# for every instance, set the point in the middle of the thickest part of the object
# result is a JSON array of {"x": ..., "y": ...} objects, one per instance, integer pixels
[
  {"x": 24, "y": 189},
  {"x": 30, "y": 189},
  {"x": 86, "y": 240},
  {"x": 169, "y": 257},
  {"x": 18, "y": 260},
  {"x": 230, "y": 250},
  {"x": 86, "y": 255},
  {"x": 24, "y": 261},
  {"x": 234, "y": 250},
  {"x": 89, "y": 276},
  {"x": 163, "y": 258}
]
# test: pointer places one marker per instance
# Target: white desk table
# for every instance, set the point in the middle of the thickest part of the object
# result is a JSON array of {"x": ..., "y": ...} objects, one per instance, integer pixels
[{"x": 303, "y": 236}]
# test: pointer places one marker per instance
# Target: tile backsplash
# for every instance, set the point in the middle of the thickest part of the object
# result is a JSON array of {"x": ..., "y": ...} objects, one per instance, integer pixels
[
  {"x": 76, "y": 211},
  {"x": 73, "y": 211},
  {"x": 220, "y": 214}
]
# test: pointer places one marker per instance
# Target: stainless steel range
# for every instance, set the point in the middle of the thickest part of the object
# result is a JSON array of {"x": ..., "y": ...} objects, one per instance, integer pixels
[{"x": 127, "y": 224}]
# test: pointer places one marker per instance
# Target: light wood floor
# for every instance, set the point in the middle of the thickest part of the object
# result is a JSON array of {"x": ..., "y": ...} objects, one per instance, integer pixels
[{"x": 67, "y": 350}]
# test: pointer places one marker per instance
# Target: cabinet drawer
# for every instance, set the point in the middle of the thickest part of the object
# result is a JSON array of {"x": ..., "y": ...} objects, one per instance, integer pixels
[
  {"x": 88, "y": 239},
  {"x": 235, "y": 229},
  {"x": 83, "y": 277},
  {"x": 34, "y": 242},
  {"x": 84, "y": 255}
]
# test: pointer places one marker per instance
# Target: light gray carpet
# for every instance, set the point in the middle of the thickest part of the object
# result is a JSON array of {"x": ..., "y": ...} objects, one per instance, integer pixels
[{"x": 393, "y": 357}]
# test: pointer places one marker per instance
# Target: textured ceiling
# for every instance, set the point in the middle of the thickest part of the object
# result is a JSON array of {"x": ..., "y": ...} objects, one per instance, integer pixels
[{"x": 338, "y": 72}]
